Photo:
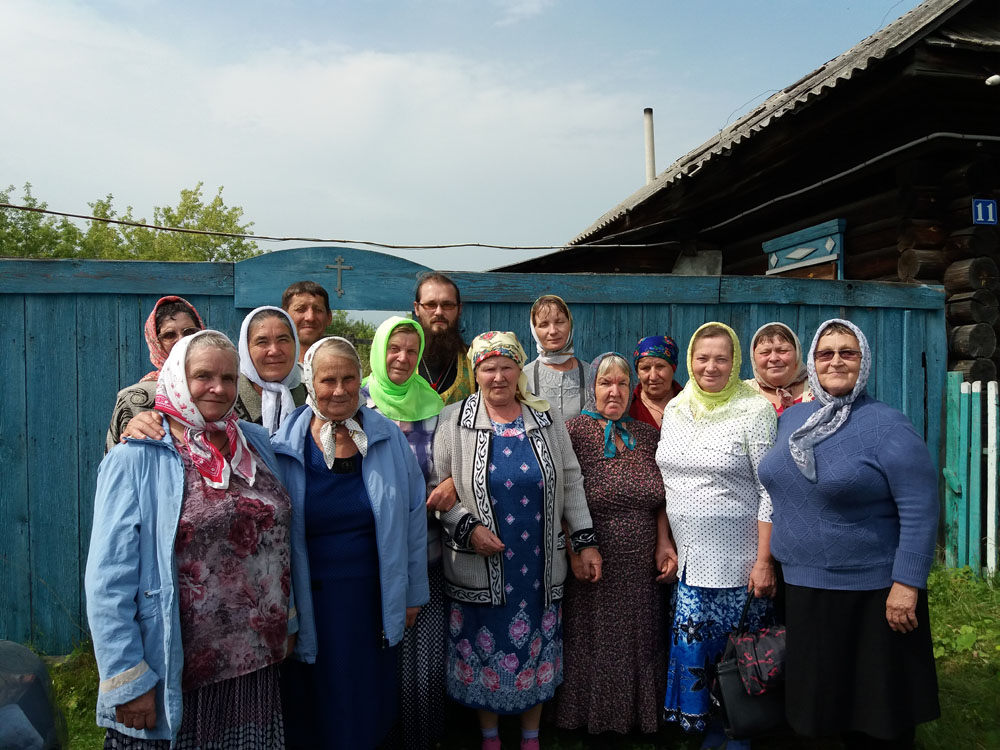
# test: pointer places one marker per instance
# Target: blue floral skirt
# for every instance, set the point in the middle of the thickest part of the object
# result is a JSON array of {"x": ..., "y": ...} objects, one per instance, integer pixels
[
  {"x": 703, "y": 618},
  {"x": 504, "y": 659}
]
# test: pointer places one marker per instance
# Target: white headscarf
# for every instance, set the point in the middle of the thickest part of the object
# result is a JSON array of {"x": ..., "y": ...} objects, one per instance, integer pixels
[
  {"x": 276, "y": 398},
  {"x": 328, "y": 432},
  {"x": 174, "y": 398},
  {"x": 835, "y": 410},
  {"x": 562, "y": 355}
]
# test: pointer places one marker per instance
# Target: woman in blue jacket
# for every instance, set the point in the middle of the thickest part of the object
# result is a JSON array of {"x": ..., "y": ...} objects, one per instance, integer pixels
[
  {"x": 188, "y": 577},
  {"x": 359, "y": 557}
]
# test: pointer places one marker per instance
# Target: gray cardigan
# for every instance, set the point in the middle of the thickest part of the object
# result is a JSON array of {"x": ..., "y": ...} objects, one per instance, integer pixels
[{"x": 463, "y": 443}]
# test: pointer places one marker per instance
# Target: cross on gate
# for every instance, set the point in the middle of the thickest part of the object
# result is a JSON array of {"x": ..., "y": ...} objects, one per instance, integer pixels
[{"x": 340, "y": 269}]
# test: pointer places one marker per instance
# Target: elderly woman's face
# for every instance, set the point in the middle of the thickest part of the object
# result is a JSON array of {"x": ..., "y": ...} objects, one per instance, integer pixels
[
  {"x": 401, "y": 354},
  {"x": 611, "y": 392},
  {"x": 336, "y": 382},
  {"x": 712, "y": 363},
  {"x": 552, "y": 327},
  {"x": 211, "y": 377},
  {"x": 839, "y": 374},
  {"x": 656, "y": 376},
  {"x": 497, "y": 379},
  {"x": 272, "y": 348},
  {"x": 775, "y": 360}
]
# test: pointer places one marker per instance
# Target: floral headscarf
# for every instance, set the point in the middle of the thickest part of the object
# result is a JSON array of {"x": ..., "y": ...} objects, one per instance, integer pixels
[
  {"x": 544, "y": 356},
  {"x": 328, "y": 432},
  {"x": 276, "y": 401},
  {"x": 173, "y": 397},
  {"x": 801, "y": 373},
  {"x": 505, "y": 344},
  {"x": 411, "y": 401},
  {"x": 157, "y": 354},
  {"x": 702, "y": 403},
  {"x": 617, "y": 425},
  {"x": 835, "y": 410},
  {"x": 662, "y": 347}
]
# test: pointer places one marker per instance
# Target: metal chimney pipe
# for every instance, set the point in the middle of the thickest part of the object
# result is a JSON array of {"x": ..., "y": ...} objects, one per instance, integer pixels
[{"x": 647, "y": 118}]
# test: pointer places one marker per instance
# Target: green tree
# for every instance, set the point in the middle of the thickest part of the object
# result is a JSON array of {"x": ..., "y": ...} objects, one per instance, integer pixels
[
  {"x": 27, "y": 234},
  {"x": 358, "y": 332}
]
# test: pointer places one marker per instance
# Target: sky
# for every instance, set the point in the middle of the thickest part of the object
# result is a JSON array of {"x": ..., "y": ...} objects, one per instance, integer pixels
[{"x": 509, "y": 122}]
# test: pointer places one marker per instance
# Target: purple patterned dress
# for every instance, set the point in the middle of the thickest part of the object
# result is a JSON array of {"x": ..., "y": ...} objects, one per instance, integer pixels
[{"x": 508, "y": 658}]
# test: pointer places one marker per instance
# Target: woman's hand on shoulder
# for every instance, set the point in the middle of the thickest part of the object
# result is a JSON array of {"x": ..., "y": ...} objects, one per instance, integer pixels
[
  {"x": 443, "y": 497},
  {"x": 139, "y": 713},
  {"x": 901, "y": 607},
  {"x": 145, "y": 424},
  {"x": 762, "y": 579},
  {"x": 485, "y": 542}
]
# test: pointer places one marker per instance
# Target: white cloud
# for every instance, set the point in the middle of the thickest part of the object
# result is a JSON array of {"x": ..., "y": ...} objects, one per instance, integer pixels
[
  {"x": 515, "y": 11},
  {"x": 314, "y": 141}
]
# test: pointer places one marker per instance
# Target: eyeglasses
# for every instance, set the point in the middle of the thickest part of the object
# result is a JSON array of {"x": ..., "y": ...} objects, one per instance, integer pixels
[
  {"x": 825, "y": 355},
  {"x": 169, "y": 336},
  {"x": 447, "y": 306}
]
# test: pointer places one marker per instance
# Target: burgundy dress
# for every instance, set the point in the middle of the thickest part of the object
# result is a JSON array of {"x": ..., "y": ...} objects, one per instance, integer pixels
[{"x": 614, "y": 630}]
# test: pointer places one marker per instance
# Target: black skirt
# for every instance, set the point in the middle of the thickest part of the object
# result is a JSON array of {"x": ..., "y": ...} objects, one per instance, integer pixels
[{"x": 848, "y": 671}]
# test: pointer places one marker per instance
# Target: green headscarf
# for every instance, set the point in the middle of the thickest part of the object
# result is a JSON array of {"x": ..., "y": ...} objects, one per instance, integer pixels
[
  {"x": 413, "y": 400},
  {"x": 703, "y": 403}
]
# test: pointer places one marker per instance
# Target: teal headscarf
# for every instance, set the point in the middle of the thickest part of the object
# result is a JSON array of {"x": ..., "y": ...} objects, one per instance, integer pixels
[{"x": 411, "y": 401}]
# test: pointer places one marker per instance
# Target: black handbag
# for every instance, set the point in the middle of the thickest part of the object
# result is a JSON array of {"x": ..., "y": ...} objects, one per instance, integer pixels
[{"x": 749, "y": 682}]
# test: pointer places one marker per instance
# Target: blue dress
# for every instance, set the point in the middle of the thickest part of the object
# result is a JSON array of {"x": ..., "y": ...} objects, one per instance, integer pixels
[
  {"x": 506, "y": 659},
  {"x": 351, "y": 690}
]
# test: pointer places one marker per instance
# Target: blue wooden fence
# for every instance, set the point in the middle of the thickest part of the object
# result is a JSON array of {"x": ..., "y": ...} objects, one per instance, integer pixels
[{"x": 72, "y": 337}]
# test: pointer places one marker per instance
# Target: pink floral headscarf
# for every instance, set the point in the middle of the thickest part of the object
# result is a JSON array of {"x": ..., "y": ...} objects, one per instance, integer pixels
[
  {"x": 174, "y": 398},
  {"x": 157, "y": 354}
]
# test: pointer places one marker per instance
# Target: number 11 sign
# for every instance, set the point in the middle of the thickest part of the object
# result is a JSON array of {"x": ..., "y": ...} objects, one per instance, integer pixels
[{"x": 984, "y": 211}]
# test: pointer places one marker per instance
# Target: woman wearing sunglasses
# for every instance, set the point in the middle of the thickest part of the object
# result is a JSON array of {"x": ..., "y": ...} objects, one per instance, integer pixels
[{"x": 855, "y": 520}]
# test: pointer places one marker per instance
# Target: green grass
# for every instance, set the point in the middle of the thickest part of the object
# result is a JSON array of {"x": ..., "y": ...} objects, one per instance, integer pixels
[{"x": 965, "y": 623}]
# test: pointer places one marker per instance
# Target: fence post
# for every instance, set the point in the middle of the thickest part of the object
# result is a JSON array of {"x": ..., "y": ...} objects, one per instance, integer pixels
[
  {"x": 963, "y": 474},
  {"x": 992, "y": 521},
  {"x": 952, "y": 487},
  {"x": 975, "y": 478}
]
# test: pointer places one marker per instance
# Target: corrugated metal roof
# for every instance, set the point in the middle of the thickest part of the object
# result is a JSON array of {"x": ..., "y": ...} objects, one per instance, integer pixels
[{"x": 894, "y": 38}]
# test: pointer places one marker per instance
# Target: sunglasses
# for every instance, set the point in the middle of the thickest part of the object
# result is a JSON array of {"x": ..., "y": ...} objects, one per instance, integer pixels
[
  {"x": 825, "y": 355},
  {"x": 166, "y": 338}
]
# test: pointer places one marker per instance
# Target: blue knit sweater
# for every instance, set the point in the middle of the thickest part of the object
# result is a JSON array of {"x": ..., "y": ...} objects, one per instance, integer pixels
[{"x": 870, "y": 519}]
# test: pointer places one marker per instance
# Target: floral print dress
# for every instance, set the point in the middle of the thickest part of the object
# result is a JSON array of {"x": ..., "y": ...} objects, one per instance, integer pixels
[{"x": 506, "y": 659}]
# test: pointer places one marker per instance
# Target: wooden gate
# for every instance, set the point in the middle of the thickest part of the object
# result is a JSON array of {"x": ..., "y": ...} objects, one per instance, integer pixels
[{"x": 72, "y": 336}]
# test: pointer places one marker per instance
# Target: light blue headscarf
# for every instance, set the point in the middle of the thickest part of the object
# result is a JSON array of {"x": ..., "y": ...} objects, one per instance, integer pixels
[{"x": 835, "y": 410}]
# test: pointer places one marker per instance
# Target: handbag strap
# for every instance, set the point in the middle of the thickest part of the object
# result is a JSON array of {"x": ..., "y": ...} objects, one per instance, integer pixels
[{"x": 741, "y": 628}]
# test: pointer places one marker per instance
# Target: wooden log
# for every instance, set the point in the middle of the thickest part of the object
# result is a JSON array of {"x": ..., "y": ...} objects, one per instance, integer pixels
[
  {"x": 921, "y": 234},
  {"x": 921, "y": 264},
  {"x": 971, "y": 274},
  {"x": 980, "y": 306},
  {"x": 973, "y": 241},
  {"x": 972, "y": 341},
  {"x": 871, "y": 265},
  {"x": 974, "y": 369}
]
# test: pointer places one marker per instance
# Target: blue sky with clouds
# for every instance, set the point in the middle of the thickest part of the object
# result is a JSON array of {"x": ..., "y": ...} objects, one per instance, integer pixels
[{"x": 414, "y": 121}]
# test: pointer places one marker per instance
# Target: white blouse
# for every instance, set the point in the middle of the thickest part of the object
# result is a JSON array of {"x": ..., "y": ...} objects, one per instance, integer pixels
[{"x": 714, "y": 498}]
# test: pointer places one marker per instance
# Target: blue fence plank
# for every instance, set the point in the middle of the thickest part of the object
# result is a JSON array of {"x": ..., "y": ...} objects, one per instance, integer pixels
[
  {"x": 114, "y": 277},
  {"x": 632, "y": 329},
  {"x": 963, "y": 473},
  {"x": 97, "y": 334},
  {"x": 826, "y": 292},
  {"x": 261, "y": 280},
  {"x": 578, "y": 288},
  {"x": 15, "y": 561},
  {"x": 952, "y": 483},
  {"x": 975, "y": 477},
  {"x": 131, "y": 341},
  {"x": 936, "y": 368},
  {"x": 913, "y": 381},
  {"x": 475, "y": 319},
  {"x": 53, "y": 471}
]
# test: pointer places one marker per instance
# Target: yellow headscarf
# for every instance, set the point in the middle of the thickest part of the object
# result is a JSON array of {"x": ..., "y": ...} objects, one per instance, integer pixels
[
  {"x": 703, "y": 403},
  {"x": 505, "y": 344}
]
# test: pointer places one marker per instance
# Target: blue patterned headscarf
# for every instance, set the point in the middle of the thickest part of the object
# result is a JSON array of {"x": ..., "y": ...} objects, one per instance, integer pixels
[
  {"x": 613, "y": 425},
  {"x": 835, "y": 410},
  {"x": 663, "y": 347}
]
